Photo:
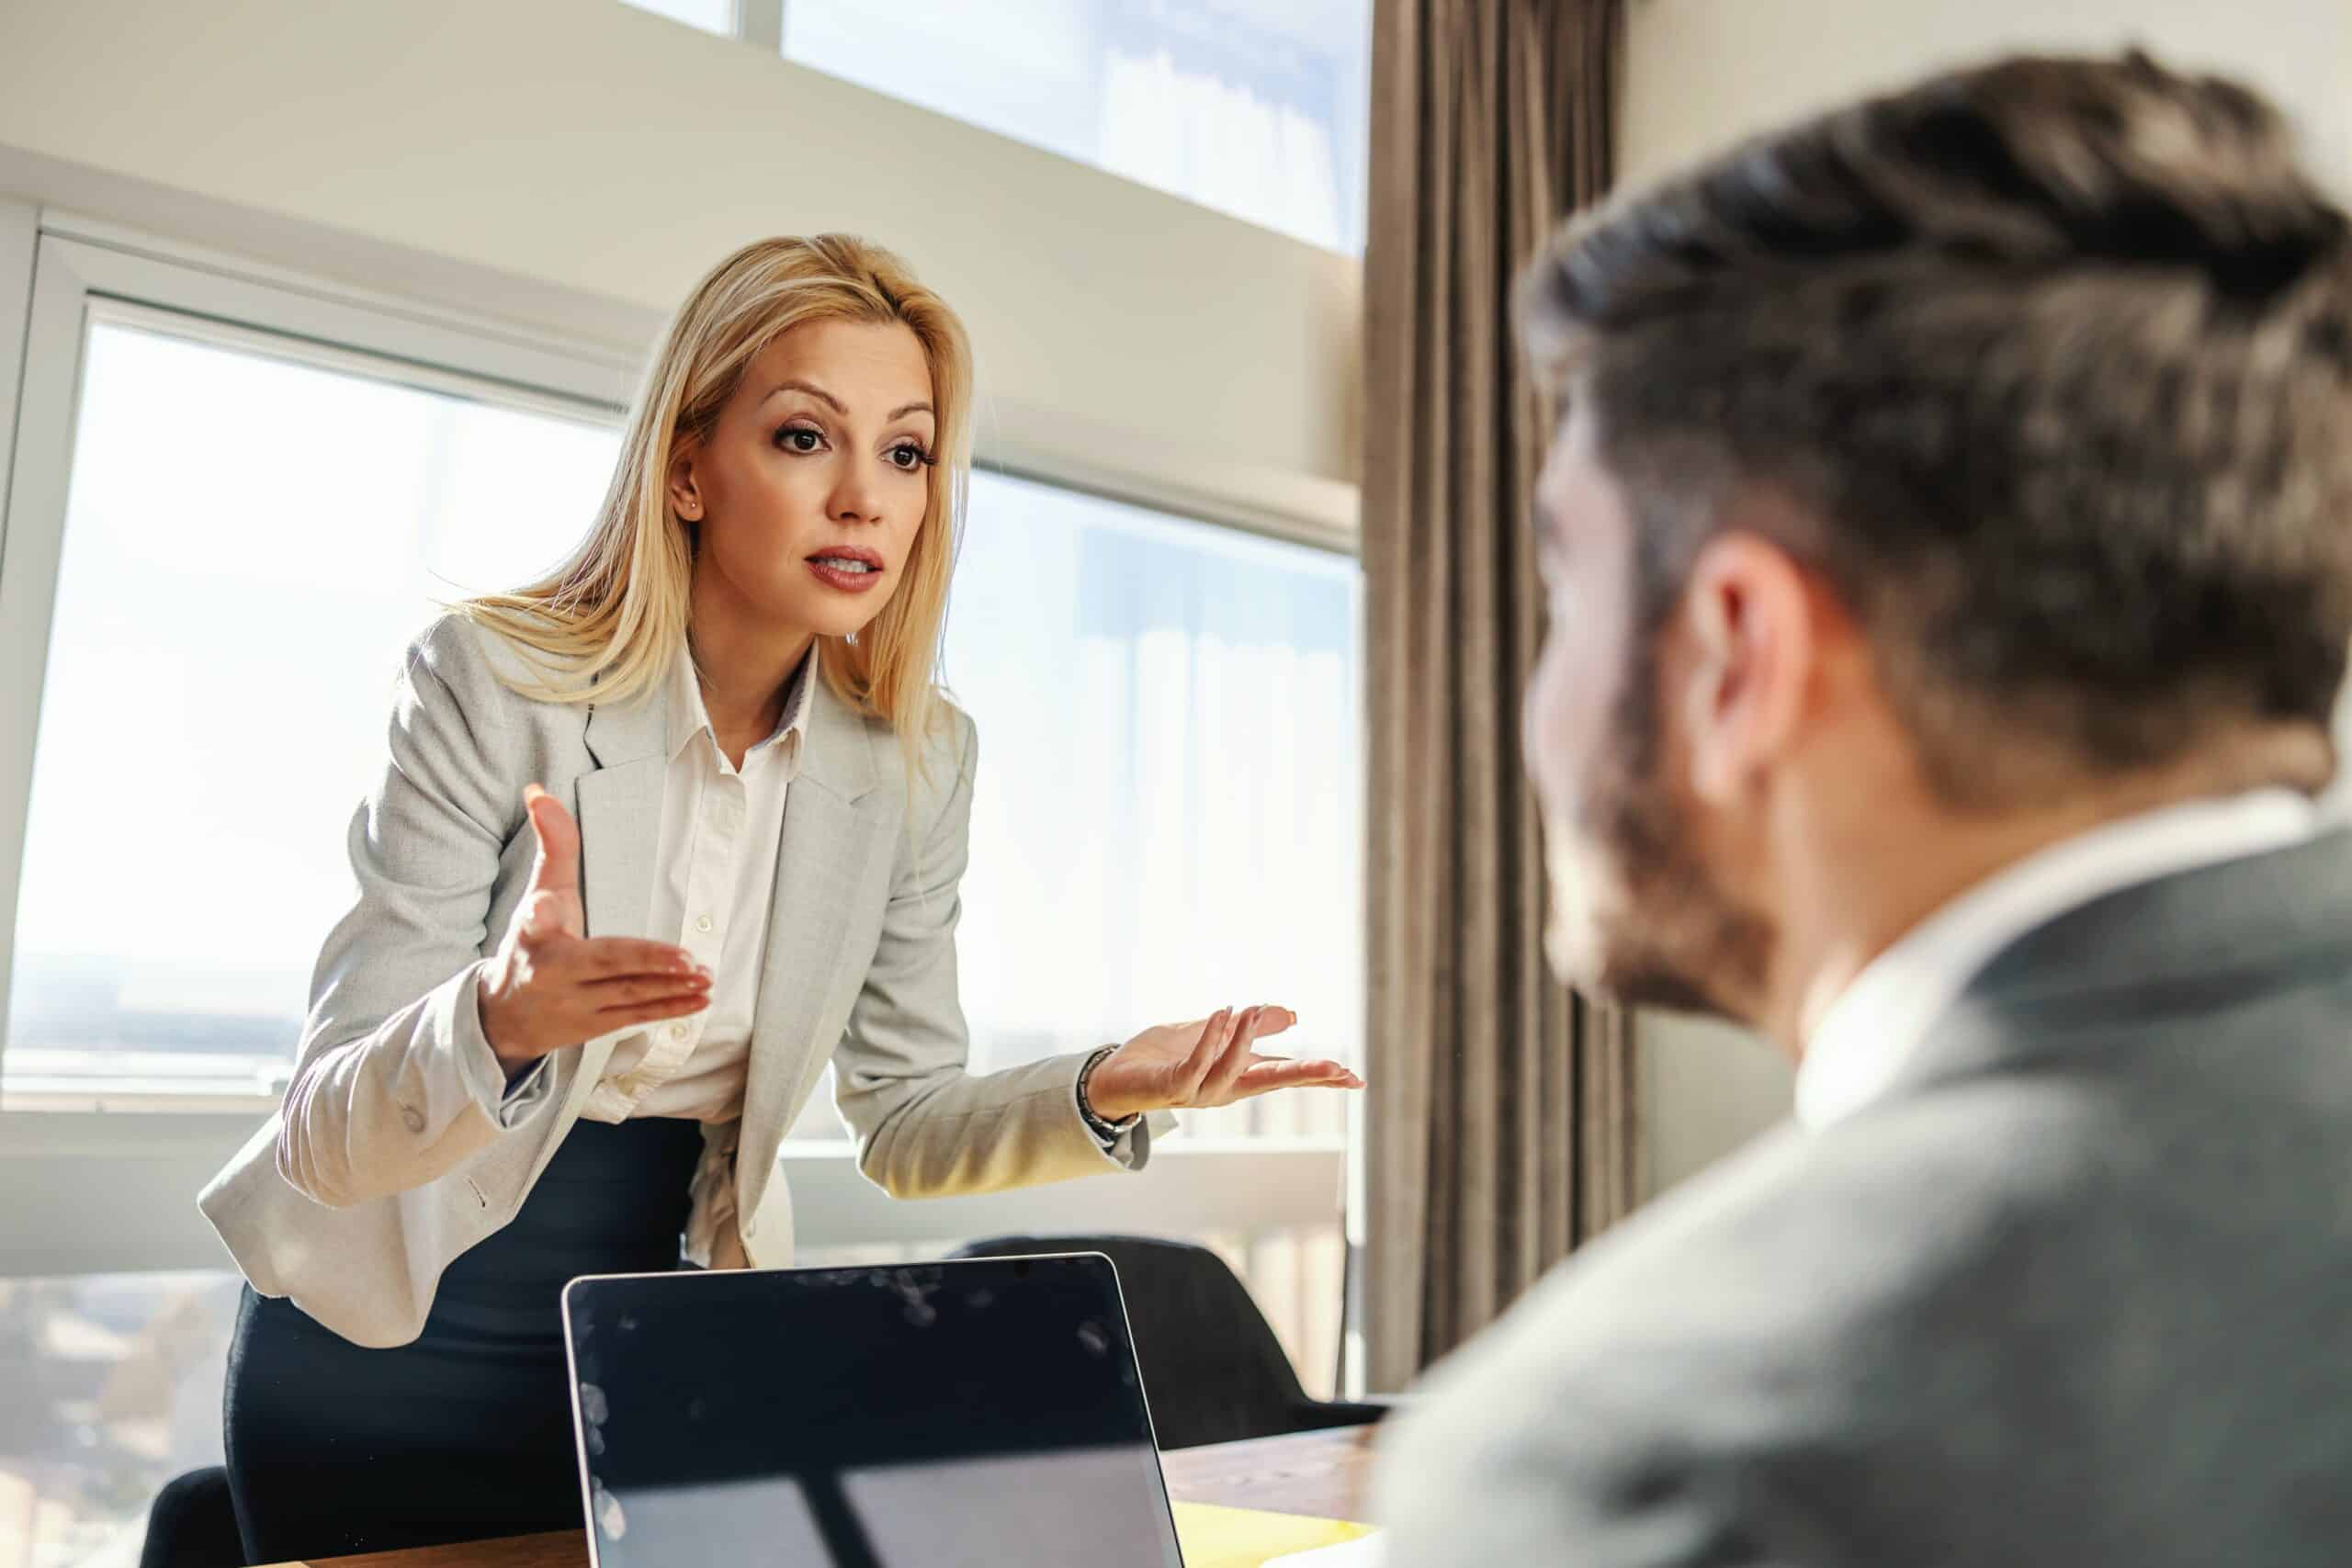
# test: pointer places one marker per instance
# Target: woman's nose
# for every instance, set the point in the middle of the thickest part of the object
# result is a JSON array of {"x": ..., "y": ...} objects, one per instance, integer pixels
[{"x": 856, "y": 499}]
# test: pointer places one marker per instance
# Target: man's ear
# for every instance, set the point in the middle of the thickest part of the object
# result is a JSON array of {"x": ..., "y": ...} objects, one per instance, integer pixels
[{"x": 1747, "y": 622}]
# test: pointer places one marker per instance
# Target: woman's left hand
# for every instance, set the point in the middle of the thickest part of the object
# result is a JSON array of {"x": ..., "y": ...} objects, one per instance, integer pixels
[{"x": 1206, "y": 1063}]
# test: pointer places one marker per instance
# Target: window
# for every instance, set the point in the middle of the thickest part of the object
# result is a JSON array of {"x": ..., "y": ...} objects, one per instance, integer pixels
[
  {"x": 242, "y": 523},
  {"x": 1167, "y": 818},
  {"x": 1256, "y": 108}
]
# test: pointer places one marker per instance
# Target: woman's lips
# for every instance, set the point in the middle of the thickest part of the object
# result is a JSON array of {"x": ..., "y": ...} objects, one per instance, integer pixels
[{"x": 840, "y": 570}]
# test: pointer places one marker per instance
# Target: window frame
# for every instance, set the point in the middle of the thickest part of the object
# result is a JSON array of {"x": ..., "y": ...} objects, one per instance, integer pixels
[
  {"x": 76, "y": 284},
  {"x": 110, "y": 1183}
]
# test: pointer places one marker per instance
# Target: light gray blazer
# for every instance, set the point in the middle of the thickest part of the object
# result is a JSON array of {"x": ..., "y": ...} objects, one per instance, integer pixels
[
  {"x": 391, "y": 1155},
  {"x": 2078, "y": 1291}
]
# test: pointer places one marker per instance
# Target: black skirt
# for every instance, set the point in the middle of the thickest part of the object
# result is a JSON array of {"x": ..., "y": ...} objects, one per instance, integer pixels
[{"x": 465, "y": 1433}]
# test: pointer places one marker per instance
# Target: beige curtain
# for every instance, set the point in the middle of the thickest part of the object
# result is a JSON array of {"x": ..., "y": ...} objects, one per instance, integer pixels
[{"x": 1502, "y": 1129}]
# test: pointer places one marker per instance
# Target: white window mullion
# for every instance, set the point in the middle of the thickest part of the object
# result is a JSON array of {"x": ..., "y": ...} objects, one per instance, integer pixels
[
  {"x": 32, "y": 537},
  {"x": 19, "y": 233}
]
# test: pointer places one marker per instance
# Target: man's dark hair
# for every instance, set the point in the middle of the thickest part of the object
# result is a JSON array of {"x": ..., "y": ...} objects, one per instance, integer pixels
[{"x": 2054, "y": 359}]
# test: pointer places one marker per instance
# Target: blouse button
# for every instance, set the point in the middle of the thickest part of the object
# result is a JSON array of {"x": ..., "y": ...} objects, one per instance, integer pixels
[{"x": 701, "y": 923}]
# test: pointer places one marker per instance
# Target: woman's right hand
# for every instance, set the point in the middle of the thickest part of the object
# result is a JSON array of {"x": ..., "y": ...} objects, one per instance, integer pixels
[{"x": 551, "y": 985}]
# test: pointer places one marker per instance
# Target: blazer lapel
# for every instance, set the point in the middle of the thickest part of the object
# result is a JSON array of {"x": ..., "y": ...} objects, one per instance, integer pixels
[
  {"x": 835, "y": 820},
  {"x": 619, "y": 811}
]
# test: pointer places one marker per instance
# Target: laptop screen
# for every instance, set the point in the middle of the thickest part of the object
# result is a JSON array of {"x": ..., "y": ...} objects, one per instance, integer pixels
[{"x": 980, "y": 1412}]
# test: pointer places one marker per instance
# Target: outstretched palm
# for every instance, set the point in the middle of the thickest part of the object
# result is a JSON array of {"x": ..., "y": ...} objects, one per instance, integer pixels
[
  {"x": 552, "y": 985},
  {"x": 1208, "y": 1062}
]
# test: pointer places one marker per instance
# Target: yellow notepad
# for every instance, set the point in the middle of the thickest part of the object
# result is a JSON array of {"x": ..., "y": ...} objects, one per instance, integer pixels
[{"x": 1242, "y": 1537}]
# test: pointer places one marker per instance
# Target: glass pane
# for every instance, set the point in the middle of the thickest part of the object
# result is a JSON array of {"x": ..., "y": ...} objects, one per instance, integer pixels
[
  {"x": 1256, "y": 108},
  {"x": 710, "y": 15},
  {"x": 249, "y": 544},
  {"x": 1168, "y": 816},
  {"x": 114, "y": 1387}
]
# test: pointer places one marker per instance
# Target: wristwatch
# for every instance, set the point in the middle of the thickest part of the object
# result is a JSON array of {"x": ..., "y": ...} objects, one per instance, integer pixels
[{"x": 1106, "y": 1131}]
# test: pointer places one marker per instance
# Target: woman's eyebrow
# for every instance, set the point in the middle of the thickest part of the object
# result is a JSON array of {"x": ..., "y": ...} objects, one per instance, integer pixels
[
  {"x": 814, "y": 390},
  {"x": 823, "y": 396}
]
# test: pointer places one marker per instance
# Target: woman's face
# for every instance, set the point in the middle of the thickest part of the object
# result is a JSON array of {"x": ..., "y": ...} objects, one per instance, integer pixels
[{"x": 812, "y": 486}]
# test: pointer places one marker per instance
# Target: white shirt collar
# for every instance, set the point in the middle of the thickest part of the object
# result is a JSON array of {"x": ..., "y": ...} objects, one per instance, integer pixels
[
  {"x": 688, "y": 717},
  {"x": 1884, "y": 1014}
]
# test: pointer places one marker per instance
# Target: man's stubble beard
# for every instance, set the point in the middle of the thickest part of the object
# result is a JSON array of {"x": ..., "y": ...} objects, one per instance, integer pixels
[{"x": 1634, "y": 914}]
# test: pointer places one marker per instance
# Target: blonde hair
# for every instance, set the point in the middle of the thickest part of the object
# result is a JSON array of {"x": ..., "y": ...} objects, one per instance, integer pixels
[{"x": 615, "y": 613}]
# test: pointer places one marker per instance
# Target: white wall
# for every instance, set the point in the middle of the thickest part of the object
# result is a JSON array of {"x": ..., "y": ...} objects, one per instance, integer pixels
[
  {"x": 576, "y": 163},
  {"x": 1704, "y": 72}
]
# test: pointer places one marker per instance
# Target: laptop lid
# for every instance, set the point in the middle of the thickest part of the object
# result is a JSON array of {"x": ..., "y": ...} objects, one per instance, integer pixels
[{"x": 987, "y": 1411}]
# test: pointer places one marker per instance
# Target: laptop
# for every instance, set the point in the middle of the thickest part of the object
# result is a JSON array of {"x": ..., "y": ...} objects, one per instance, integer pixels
[{"x": 980, "y": 1412}]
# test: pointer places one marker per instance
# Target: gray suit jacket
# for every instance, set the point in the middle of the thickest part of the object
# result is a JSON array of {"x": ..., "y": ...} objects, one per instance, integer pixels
[
  {"x": 391, "y": 1155},
  {"x": 2079, "y": 1290}
]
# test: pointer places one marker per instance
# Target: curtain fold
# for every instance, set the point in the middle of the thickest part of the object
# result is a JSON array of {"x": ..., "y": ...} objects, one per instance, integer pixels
[{"x": 1501, "y": 1127}]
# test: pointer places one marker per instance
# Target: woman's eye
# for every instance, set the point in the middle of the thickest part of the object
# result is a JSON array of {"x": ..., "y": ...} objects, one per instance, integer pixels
[
  {"x": 798, "y": 439},
  {"x": 908, "y": 457}
]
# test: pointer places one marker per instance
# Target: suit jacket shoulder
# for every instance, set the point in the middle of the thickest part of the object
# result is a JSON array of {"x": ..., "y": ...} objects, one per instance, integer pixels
[
  {"x": 1743, "y": 1372},
  {"x": 2074, "y": 1291},
  {"x": 480, "y": 666}
]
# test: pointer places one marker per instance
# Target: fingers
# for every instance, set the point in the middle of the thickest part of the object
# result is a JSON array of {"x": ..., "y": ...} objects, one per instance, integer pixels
[
  {"x": 1233, "y": 1060},
  {"x": 1223, "y": 1052},
  {"x": 643, "y": 988},
  {"x": 556, "y": 987},
  {"x": 609, "y": 1019},
  {"x": 542, "y": 916},
  {"x": 1268, "y": 1074},
  {"x": 557, "y": 870},
  {"x": 1214, "y": 1031},
  {"x": 615, "y": 957}
]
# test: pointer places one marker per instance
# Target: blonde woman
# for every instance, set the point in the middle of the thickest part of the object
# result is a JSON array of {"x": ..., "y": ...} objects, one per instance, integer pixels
[{"x": 660, "y": 838}]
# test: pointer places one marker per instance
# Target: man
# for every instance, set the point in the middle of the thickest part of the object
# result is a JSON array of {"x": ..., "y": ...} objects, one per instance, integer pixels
[{"x": 1950, "y": 553}]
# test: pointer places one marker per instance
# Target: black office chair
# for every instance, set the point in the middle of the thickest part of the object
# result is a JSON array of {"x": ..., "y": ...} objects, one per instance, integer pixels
[
  {"x": 192, "y": 1524},
  {"x": 1212, "y": 1367}
]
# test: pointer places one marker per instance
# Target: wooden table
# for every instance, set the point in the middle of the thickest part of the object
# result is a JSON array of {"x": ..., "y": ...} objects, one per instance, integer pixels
[
  {"x": 1326, "y": 1475},
  {"x": 1322, "y": 1475}
]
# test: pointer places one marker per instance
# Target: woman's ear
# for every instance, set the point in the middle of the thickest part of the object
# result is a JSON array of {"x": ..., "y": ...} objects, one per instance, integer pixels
[{"x": 685, "y": 496}]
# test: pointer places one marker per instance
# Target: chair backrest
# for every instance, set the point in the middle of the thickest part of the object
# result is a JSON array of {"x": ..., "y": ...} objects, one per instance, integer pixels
[
  {"x": 1212, "y": 1368},
  {"x": 193, "y": 1523}
]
